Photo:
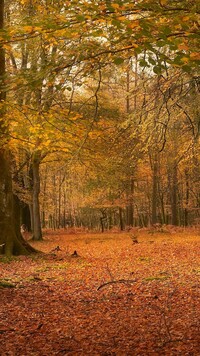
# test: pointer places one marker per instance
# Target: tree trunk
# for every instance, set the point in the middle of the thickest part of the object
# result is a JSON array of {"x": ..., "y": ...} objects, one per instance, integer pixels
[
  {"x": 43, "y": 212},
  {"x": 11, "y": 241},
  {"x": 64, "y": 211},
  {"x": 121, "y": 224},
  {"x": 187, "y": 194},
  {"x": 174, "y": 197},
  {"x": 37, "y": 231},
  {"x": 25, "y": 216},
  {"x": 154, "y": 192},
  {"x": 102, "y": 219},
  {"x": 130, "y": 207}
]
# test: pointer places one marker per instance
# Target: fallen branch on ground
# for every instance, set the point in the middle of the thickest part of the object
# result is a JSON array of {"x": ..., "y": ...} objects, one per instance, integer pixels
[{"x": 117, "y": 281}]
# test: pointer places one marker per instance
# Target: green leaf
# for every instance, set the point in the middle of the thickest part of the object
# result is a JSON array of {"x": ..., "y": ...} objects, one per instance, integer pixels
[
  {"x": 187, "y": 69},
  {"x": 157, "y": 69},
  {"x": 118, "y": 60},
  {"x": 151, "y": 60},
  {"x": 166, "y": 30},
  {"x": 116, "y": 23},
  {"x": 160, "y": 43},
  {"x": 143, "y": 63},
  {"x": 80, "y": 18}
]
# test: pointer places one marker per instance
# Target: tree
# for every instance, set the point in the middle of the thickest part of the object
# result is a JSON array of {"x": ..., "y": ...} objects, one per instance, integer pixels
[{"x": 11, "y": 241}]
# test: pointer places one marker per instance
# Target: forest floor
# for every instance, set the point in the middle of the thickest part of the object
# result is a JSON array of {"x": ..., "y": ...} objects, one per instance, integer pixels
[{"x": 61, "y": 304}]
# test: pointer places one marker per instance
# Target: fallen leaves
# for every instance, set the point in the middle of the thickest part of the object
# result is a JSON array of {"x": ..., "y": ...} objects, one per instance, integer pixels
[{"x": 58, "y": 306}]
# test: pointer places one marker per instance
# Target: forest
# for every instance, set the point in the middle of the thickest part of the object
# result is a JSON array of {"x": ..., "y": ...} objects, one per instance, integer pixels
[
  {"x": 99, "y": 177},
  {"x": 99, "y": 116}
]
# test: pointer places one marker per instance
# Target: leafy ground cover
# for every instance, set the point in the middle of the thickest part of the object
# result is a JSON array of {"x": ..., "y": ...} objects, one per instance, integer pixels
[{"x": 115, "y": 298}]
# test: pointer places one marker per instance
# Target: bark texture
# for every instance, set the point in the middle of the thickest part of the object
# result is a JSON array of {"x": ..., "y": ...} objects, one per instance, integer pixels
[{"x": 37, "y": 231}]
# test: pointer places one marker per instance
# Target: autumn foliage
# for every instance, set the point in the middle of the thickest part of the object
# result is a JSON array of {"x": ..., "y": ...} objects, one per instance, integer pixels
[{"x": 115, "y": 298}]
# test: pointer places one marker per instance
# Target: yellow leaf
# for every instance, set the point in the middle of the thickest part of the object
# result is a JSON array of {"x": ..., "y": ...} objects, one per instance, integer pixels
[
  {"x": 116, "y": 6},
  {"x": 185, "y": 18},
  {"x": 185, "y": 60},
  {"x": 133, "y": 45},
  {"x": 28, "y": 28},
  {"x": 7, "y": 47},
  {"x": 121, "y": 18},
  {"x": 163, "y": 2},
  {"x": 133, "y": 24},
  {"x": 37, "y": 28}
]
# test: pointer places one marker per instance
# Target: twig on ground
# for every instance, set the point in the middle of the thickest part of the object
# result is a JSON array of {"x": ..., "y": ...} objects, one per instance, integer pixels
[
  {"x": 129, "y": 281},
  {"x": 56, "y": 249},
  {"x": 109, "y": 272}
]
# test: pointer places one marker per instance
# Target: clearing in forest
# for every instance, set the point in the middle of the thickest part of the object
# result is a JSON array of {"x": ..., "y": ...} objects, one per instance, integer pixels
[{"x": 115, "y": 297}]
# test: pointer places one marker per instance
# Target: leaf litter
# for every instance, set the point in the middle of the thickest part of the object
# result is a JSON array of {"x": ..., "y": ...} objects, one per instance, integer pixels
[{"x": 112, "y": 298}]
